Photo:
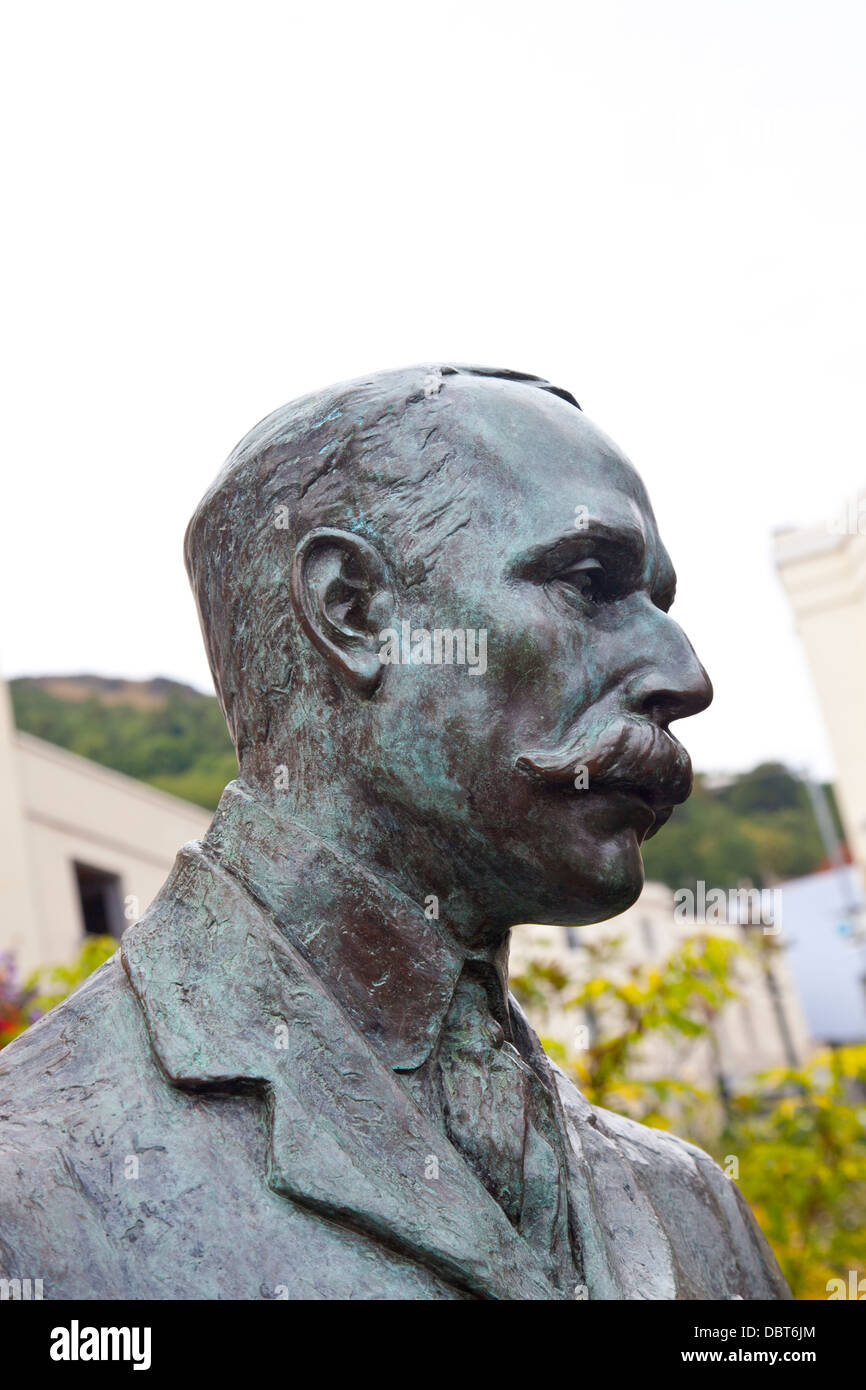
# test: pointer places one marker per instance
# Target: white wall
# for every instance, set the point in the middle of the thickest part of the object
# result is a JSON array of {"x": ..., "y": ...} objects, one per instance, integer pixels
[
  {"x": 74, "y": 810},
  {"x": 823, "y": 572}
]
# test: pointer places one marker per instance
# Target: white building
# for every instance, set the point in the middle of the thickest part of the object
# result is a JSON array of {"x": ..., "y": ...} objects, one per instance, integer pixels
[
  {"x": 823, "y": 572},
  {"x": 82, "y": 848}
]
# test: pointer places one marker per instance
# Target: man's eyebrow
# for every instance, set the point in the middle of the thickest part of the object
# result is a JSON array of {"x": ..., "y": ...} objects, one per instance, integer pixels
[{"x": 627, "y": 543}]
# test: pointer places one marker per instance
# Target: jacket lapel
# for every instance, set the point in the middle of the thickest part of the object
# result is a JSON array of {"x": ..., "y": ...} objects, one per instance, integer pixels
[{"x": 228, "y": 1002}]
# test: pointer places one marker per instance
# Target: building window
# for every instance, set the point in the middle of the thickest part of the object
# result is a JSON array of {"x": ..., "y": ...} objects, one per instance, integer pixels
[{"x": 101, "y": 902}]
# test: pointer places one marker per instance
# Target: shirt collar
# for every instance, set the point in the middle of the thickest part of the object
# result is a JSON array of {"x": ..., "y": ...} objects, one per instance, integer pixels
[{"x": 393, "y": 969}]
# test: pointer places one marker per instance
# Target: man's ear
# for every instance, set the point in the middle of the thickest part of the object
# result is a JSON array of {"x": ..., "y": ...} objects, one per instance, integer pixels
[{"x": 343, "y": 598}]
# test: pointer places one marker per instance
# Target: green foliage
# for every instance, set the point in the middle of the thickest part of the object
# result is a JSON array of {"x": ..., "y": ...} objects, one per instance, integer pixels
[
  {"x": 768, "y": 787},
  {"x": 173, "y": 736},
  {"x": 204, "y": 782},
  {"x": 800, "y": 1138}
]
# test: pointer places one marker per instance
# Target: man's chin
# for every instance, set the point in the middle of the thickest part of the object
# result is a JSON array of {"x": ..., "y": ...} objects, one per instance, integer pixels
[{"x": 593, "y": 883}]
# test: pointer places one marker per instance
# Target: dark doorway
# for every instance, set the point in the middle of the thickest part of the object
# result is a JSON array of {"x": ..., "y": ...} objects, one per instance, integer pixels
[{"x": 101, "y": 902}]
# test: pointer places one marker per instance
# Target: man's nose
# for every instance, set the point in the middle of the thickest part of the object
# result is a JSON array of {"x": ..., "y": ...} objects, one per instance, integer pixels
[{"x": 672, "y": 683}]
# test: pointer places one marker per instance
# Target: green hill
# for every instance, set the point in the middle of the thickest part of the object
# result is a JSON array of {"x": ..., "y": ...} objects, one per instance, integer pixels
[{"x": 160, "y": 731}]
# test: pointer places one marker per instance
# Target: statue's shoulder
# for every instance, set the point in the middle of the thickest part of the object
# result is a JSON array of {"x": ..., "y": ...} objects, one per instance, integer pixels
[
  {"x": 59, "y": 1098},
  {"x": 659, "y": 1158},
  {"x": 64, "y": 1046},
  {"x": 664, "y": 1160},
  {"x": 69, "y": 1076},
  {"x": 78, "y": 1077},
  {"x": 716, "y": 1247}
]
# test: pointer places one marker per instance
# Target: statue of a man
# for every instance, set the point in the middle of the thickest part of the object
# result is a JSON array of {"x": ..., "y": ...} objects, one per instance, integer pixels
[{"x": 435, "y": 604}]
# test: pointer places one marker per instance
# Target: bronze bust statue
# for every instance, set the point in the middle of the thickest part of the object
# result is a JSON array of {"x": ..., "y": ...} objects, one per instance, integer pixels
[{"x": 435, "y": 604}]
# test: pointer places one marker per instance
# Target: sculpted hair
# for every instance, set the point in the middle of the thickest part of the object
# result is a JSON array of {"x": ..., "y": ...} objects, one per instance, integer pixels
[{"x": 362, "y": 456}]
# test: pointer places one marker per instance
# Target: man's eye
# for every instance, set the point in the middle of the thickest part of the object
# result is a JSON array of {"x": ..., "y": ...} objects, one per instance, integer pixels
[{"x": 586, "y": 577}]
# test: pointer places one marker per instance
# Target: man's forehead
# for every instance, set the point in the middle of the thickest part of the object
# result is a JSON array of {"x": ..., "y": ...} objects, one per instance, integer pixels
[
  {"x": 547, "y": 453},
  {"x": 545, "y": 477}
]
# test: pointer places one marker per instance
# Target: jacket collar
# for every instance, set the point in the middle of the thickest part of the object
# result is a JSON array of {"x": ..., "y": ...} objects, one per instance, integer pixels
[{"x": 230, "y": 1002}]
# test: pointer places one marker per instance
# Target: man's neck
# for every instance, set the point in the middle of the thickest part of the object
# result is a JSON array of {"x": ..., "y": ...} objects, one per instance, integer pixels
[
  {"x": 386, "y": 956},
  {"x": 418, "y": 856}
]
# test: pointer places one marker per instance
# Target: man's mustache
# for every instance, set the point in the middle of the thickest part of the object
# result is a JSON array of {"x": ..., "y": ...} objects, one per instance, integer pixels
[{"x": 625, "y": 753}]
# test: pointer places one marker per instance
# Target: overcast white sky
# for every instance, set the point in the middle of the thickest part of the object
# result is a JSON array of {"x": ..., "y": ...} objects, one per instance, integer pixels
[{"x": 212, "y": 208}]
